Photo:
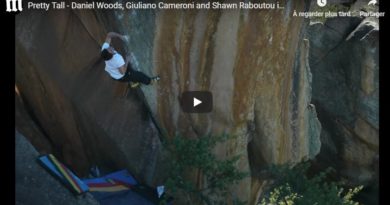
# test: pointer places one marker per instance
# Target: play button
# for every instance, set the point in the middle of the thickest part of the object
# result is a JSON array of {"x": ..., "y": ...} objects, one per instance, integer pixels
[{"x": 196, "y": 101}]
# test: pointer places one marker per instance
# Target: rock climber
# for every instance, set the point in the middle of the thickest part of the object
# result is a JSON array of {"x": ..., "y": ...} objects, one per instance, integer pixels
[{"x": 120, "y": 69}]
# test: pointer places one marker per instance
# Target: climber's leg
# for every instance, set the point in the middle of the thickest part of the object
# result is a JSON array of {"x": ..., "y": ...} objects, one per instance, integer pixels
[{"x": 137, "y": 76}]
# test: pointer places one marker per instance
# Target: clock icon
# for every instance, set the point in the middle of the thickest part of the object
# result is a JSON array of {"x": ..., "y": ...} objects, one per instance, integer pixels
[{"x": 321, "y": 3}]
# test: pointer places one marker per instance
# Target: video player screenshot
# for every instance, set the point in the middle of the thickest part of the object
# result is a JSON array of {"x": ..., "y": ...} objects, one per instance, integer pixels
[{"x": 250, "y": 102}]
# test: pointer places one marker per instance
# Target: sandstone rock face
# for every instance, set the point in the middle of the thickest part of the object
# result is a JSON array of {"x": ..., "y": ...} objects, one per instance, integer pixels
[
  {"x": 258, "y": 73},
  {"x": 345, "y": 65},
  {"x": 86, "y": 118},
  {"x": 254, "y": 62}
]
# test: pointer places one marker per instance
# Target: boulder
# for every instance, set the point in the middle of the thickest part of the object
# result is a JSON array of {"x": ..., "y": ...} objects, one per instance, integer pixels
[{"x": 344, "y": 59}]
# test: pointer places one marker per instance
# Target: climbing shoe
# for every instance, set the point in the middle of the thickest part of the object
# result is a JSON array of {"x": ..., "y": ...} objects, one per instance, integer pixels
[
  {"x": 134, "y": 85},
  {"x": 155, "y": 79}
]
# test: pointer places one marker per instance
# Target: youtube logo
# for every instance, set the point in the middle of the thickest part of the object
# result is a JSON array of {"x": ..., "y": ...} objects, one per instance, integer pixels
[{"x": 196, "y": 101}]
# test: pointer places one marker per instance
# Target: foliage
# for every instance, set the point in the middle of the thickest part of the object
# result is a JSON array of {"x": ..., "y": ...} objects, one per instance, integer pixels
[
  {"x": 292, "y": 186},
  {"x": 194, "y": 156}
]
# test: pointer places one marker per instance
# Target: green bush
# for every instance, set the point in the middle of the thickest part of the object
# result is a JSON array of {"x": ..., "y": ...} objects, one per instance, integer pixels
[
  {"x": 195, "y": 156},
  {"x": 292, "y": 186}
]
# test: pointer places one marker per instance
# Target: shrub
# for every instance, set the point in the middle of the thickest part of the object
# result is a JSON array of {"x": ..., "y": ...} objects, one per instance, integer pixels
[
  {"x": 292, "y": 186},
  {"x": 195, "y": 156}
]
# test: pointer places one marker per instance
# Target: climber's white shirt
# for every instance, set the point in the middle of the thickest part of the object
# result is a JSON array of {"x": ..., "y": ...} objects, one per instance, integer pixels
[{"x": 113, "y": 65}]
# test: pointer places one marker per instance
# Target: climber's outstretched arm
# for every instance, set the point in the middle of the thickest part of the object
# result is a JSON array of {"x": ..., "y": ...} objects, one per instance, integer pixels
[{"x": 111, "y": 35}]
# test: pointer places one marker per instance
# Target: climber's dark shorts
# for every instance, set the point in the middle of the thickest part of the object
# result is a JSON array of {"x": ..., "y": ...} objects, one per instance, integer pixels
[{"x": 134, "y": 76}]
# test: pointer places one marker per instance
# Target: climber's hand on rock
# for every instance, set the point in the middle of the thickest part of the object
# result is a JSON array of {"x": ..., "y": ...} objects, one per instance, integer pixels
[{"x": 125, "y": 38}]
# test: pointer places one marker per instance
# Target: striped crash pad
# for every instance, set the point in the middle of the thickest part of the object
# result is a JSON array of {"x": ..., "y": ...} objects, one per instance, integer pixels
[
  {"x": 121, "y": 188},
  {"x": 117, "y": 181},
  {"x": 117, "y": 188},
  {"x": 62, "y": 173}
]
